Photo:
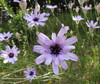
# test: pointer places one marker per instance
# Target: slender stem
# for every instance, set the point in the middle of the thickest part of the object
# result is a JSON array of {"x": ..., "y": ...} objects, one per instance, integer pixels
[
  {"x": 37, "y": 31},
  {"x": 56, "y": 18}
]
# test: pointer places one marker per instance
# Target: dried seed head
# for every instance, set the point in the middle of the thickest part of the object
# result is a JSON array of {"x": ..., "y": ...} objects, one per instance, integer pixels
[
  {"x": 98, "y": 8},
  {"x": 81, "y": 2},
  {"x": 23, "y": 5},
  {"x": 77, "y": 9}
]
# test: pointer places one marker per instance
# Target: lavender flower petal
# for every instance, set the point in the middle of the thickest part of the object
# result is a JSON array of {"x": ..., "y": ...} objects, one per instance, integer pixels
[
  {"x": 72, "y": 56},
  {"x": 71, "y": 40},
  {"x": 40, "y": 59},
  {"x": 64, "y": 65},
  {"x": 55, "y": 68}
]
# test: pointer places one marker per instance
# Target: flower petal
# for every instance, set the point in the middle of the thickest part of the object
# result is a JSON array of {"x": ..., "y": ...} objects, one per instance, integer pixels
[
  {"x": 40, "y": 59},
  {"x": 87, "y": 24},
  {"x": 41, "y": 23},
  {"x": 64, "y": 65},
  {"x": 65, "y": 57},
  {"x": 35, "y": 12},
  {"x": 43, "y": 19},
  {"x": 97, "y": 27},
  {"x": 68, "y": 48},
  {"x": 71, "y": 40},
  {"x": 95, "y": 24},
  {"x": 60, "y": 40},
  {"x": 55, "y": 68},
  {"x": 49, "y": 60},
  {"x": 43, "y": 40},
  {"x": 17, "y": 1},
  {"x": 12, "y": 61},
  {"x": 56, "y": 61},
  {"x": 5, "y": 61},
  {"x": 39, "y": 49},
  {"x": 28, "y": 17},
  {"x": 31, "y": 24},
  {"x": 54, "y": 37},
  {"x": 61, "y": 32},
  {"x": 15, "y": 59},
  {"x": 72, "y": 56},
  {"x": 60, "y": 57}
]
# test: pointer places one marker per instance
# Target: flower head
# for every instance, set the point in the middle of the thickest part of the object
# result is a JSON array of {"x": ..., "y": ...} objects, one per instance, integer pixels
[
  {"x": 30, "y": 74},
  {"x": 85, "y": 9},
  {"x": 22, "y": 1},
  {"x": 10, "y": 54},
  {"x": 92, "y": 26},
  {"x": 66, "y": 27},
  {"x": 35, "y": 19},
  {"x": 46, "y": 14},
  {"x": 56, "y": 50},
  {"x": 5, "y": 36},
  {"x": 51, "y": 7},
  {"x": 77, "y": 18}
]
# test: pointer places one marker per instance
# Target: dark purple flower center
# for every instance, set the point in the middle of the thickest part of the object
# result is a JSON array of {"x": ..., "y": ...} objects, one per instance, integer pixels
[
  {"x": 35, "y": 19},
  {"x": 11, "y": 55},
  {"x": 91, "y": 26},
  {"x": 5, "y": 37},
  {"x": 31, "y": 73},
  {"x": 55, "y": 49}
]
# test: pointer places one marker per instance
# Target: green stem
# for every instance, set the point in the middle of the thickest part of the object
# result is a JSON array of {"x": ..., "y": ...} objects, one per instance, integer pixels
[{"x": 56, "y": 18}]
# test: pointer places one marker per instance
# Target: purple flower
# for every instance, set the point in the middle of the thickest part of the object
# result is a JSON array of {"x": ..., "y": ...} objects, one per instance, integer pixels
[
  {"x": 30, "y": 74},
  {"x": 46, "y": 14},
  {"x": 22, "y": 1},
  {"x": 35, "y": 19},
  {"x": 56, "y": 50},
  {"x": 5, "y": 36},
  {"x": 51, "y": 7},
  {"x": 66, "y": 27},
  {"x": 64, "y": 5},
  {"x": 86, "y": 8},
  {"x": 1, "y": 37},
  {"x": 77, "y": 18},
  {"x": 92, "y": 24},
  {"x": 10, "y": 54}
]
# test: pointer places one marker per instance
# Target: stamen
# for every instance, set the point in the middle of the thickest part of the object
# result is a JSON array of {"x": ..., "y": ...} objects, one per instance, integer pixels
[
  {"x": 36, "y": 19},
  {"x": 11, "y": 55},
  {"x": 5, "y": 37},
  {"x": 31, "y": 73},
  {"x": 55, "y": 49}
]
